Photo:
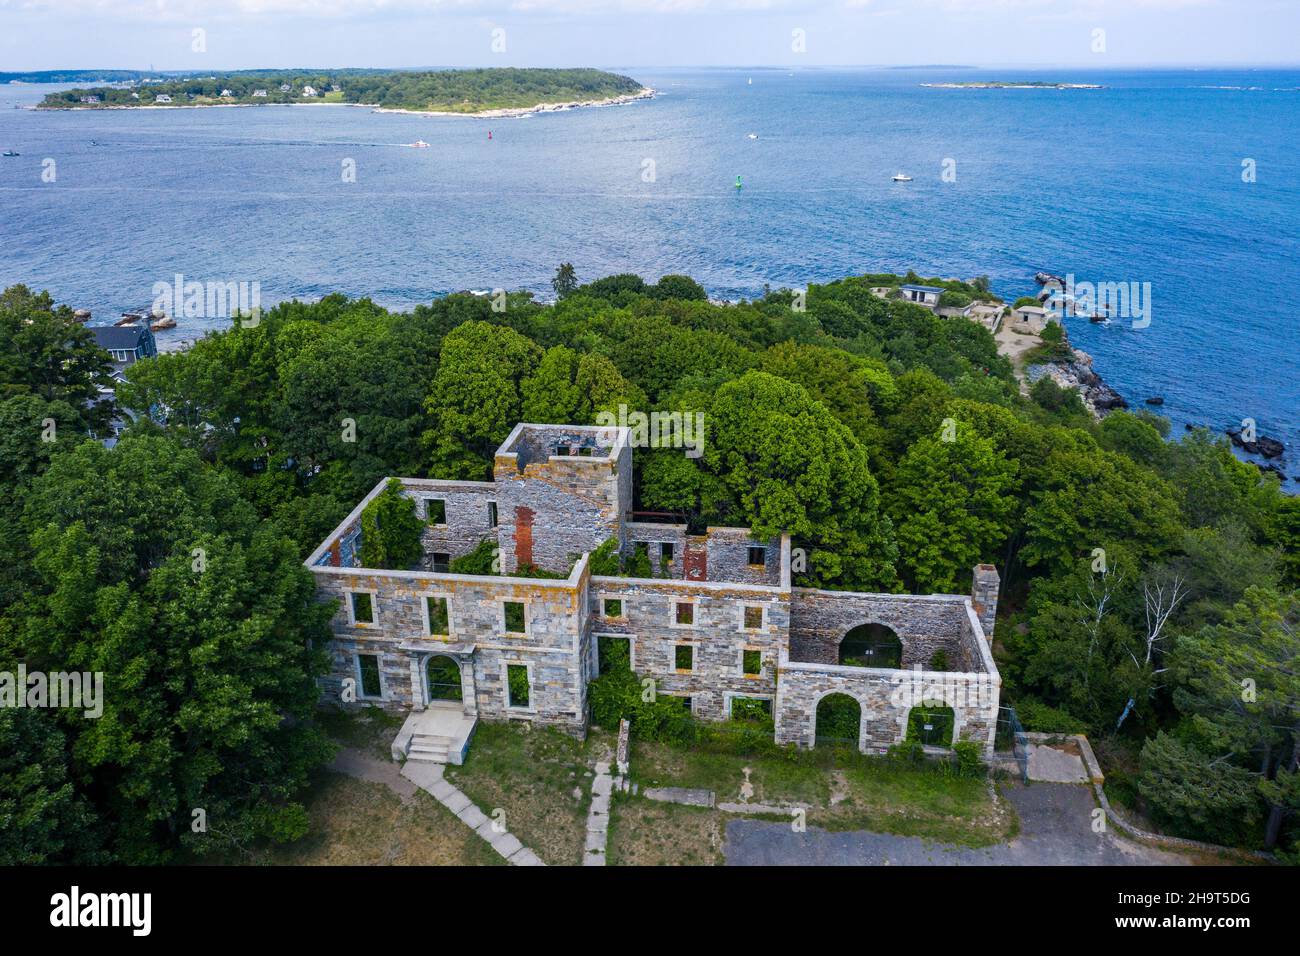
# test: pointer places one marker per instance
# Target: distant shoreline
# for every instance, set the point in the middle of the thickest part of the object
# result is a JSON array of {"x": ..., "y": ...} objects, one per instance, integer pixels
[{"x": 491, "y": 113}]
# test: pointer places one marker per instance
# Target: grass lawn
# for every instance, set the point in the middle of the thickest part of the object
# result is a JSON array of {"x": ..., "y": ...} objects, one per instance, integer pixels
[
  {"x": 354, "y": 822},
  {"x": 371, "y": 730},
  {"x": 539, "y": 777},
  {"x": 841, "y": 789},
  {"x": 645, "y": 833}
]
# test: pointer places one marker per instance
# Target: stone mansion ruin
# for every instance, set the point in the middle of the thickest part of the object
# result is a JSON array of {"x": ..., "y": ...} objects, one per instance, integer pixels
[{"x": 718, "y": 625}]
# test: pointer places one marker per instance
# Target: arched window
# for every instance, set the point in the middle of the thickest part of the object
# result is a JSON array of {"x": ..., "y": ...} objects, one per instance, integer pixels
[{"x": 871, "y": 645}]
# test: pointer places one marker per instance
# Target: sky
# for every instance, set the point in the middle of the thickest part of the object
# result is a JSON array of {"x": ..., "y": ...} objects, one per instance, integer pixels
[{"x": 242, "y": 34}]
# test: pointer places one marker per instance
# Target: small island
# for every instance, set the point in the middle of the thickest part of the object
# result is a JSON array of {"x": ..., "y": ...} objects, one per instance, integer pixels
[
  {"x": 1020, "y": 85},
  {"x": 485, "y": 92}
]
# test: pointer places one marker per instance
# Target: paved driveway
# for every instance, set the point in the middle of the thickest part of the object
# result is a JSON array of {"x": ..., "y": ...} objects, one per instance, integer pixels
[{"x": 1055, "y": 830}]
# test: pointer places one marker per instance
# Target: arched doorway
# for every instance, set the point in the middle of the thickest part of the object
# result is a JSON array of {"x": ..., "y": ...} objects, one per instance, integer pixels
[
  {"x": 871, "y": 645},
  {"x": 442, "y": 675},
  {"x": 839, "y": 721}
]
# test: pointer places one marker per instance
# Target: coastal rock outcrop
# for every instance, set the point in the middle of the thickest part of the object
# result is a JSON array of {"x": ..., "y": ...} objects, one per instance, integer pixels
[
  {"x": 1262, "y": 445},
  {"x": 1079, "y": 375}
]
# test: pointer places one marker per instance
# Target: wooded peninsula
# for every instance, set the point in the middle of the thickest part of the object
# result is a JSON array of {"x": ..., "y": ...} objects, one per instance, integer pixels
[{"x": 444, "y": 91}]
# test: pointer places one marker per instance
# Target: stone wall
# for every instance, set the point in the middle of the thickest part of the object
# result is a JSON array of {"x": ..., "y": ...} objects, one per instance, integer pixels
[
  {"x": 728, "y": 551},
  {"x": 554, "y": 507},
  {"x": 551, "y": 649},
  {"x": 468, "y": 516},
  {"x": 655, "y": 533},
  {"x": 924, "y": 624},
  {"x": 886, "y": 698},
  {"x": 717, "y": 636}
]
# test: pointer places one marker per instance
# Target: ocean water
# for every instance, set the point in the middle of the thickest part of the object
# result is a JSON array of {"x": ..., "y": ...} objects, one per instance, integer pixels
[{"x": 1139, "y": 182}]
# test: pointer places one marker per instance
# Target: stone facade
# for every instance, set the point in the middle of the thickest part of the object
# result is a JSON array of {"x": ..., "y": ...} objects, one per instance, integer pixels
[{"x": 721, "y": 620}]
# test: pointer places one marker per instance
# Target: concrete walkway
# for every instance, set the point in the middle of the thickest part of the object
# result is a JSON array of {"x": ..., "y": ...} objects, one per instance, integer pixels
[
  {"x": 406, "y": 780},
  {"x": 428, "y": 777},
  {"x": 593, "y": 854}
]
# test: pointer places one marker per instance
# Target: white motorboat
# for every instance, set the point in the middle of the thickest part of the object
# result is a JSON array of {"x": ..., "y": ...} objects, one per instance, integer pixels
[{"x": 902, "y": 178}]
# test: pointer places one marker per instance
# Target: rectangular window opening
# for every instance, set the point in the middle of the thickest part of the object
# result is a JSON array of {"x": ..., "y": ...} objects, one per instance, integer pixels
[
  {"x": 613, "y": 607},
  {"x": 757, "y": 556},
  {"x": 515, "y": 619},
  {"x": 439, "y": 618},
  {"x": 684, "y": 657},
  {"x": 753, "y": 617},
  {"x": 435, "y": 510},
  {"x": 751, "y": 662},
  {"x": 371, "y": 685},
  {"x": 517, "y": 687},
  {"x": 686, "y": 613},
  {"x": 363, "y": 608}
]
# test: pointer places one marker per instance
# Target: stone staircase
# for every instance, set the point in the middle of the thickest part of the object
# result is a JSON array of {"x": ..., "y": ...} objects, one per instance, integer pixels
[{"x": 440, "y": 734}]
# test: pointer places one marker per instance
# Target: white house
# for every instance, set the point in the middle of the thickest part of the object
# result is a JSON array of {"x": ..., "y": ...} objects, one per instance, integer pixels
[
  {"x": 309, "y": 91},
  {"x": 259, "y": 92},
  {"x": 162, "y": 98},
  {"x": 285, "y": 87},
  {"x": 226, "y": 94},
  {"x": 922, "y": 295},
  {"x": 1035, "y": 316}
]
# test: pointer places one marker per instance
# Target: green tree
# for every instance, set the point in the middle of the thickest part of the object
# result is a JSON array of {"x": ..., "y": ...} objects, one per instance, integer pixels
[
  {"x": 1195, "y": 795},
  {"x": 565, "y": 281},
  {"x": 1240, "y": 682},
  {"x": 390, "y": 530},
  {"x": 951, "y": 507},
  {"x": 476, "y": 397},
  {"x": 790, "y": 466},
  {"x": 202, "y": 620}
]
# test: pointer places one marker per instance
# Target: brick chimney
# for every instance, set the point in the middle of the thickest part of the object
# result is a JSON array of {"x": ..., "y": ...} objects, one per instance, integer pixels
[{"x": 985, "y": 584}]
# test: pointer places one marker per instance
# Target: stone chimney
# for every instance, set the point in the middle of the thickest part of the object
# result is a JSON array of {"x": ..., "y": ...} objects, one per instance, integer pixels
[{"x": 984, "y": 596}]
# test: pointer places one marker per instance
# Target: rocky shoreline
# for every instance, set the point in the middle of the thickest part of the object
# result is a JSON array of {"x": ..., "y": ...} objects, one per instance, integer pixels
[{"x": 1079, "y": 375}]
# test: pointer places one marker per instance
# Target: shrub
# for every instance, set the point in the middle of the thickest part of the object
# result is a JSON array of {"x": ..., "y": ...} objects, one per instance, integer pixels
[
  {"x": 478, "y": 561},
  {"x": 1039, "y": 717},
  {"x": 970, "y": 762}
]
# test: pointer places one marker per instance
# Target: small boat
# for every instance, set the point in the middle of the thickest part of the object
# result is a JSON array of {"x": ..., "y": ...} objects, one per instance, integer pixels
[
  {"x": 10, "y": 152},
  {"x": 753, "y": 136},
  {"x": 418, "y": 144},
  {"x": 489, "y": 134},
  {"x": 902, "y": 178},
  {"x": 751, "y": 81},
  {"x": 739, "y": 184}
]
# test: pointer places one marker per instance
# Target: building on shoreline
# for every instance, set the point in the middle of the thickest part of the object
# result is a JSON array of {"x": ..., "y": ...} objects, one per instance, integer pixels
[{"x": 721, "y": 624}]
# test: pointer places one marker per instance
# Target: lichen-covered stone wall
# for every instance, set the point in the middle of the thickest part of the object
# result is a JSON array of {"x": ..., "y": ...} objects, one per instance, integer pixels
[
  {"x": 556, "y": 616},
  {"x": 924, "y": 625},
  {"x": 717, "y": 637}
]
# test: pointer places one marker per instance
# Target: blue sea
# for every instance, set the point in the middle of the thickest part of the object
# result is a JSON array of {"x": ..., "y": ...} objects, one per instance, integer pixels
[{"x": 1138, "y": 182}]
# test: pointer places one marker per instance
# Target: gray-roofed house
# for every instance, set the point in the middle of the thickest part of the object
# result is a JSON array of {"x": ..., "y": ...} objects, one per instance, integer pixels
[{"x": 127, "y": 344}]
